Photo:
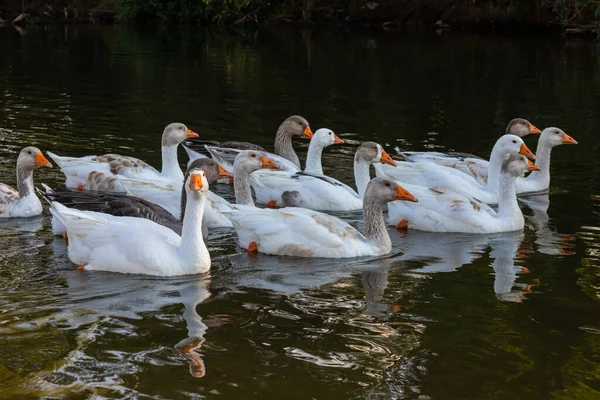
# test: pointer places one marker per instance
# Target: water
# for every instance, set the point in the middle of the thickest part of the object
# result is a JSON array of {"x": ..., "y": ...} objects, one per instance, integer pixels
[{"x": 443, "y": 317}]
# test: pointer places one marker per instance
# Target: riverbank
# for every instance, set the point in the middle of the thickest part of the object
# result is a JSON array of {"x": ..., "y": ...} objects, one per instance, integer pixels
[{"x": 551, "y": 17}]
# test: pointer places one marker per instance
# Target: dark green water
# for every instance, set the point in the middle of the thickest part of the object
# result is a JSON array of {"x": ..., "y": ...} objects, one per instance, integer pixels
[{"x": 513, "y": 316}]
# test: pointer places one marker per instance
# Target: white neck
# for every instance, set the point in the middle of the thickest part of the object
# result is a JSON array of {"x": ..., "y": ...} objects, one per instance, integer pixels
[
  {"x": 507, "y": 197},
  {"x": 313, "y": 158},
  {"x": 170, "y": 164},
  {"x": 192, "y": 249},
  {"x": 542, "y": 160},
  {"x": 361, "y": 177},
  {"x": 494, "y": 169}
]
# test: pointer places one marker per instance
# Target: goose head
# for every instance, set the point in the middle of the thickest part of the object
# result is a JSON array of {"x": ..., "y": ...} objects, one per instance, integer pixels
[
  {"x": 517, "y": 165},
  {"x": 511, "y": 144},
  {"x": 385, "y": 190},
  {"x": 371, "y": 152},
  {"x": 325, "y": 137},
  {"x": 295, "y": 126},
  {"x": 521, "y": 127},
  {"x": 196, "y": 183},
  {"x": 176, "y": 133},
  {"x": 212, "y": 170},
  {"x": 251, "y": 160},
  {"x": 556, "y": 136},
  {"x": 291, "y": 198},
  {"x": 31, "y": 158}
]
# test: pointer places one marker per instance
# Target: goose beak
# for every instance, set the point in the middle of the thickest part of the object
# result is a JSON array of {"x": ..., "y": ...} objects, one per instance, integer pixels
[
  {"x": 533, "y": 130},
  {"x": 403, "y": 194},
  {"x": 196, "y": 182},
  {"x": 41, "y": 161},
  {"x": 223, "y": 173},
  {"x": 191, "y": 134},
  {"x": 307, "y": 133},
  {"x": 568, "y": 140},
  {"x": 531, "y": 166},
  {"x": 386, "y": 159},
  {"x": 337, "y": 140},
  {"x": 526, "y": 152},
  {"x": 268, "y": 163}
]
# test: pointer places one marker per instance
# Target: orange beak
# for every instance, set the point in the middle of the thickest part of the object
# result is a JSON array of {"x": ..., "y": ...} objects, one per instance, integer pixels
[
  {"x": 337, "y": 140},
  {"x": 532, "y": 166},
  {"x": 191, "y": 134},
  {"x": 386, "y": 159},
  {"x": 196, "y": 182},
  {"x": 533, "y": 130},
  {"x": 526, "y": 152},
  {"x": 41, "y": 161},
  {"x": 307, "y": 133},
  {"x": 268, "y": 163},
  {"x": 223, "y": 173},
  {"x": 403, "y": 194},
  {"x": 568, "y": 140}
]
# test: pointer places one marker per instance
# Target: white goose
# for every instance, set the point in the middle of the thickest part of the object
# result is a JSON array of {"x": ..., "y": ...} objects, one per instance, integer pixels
[
  {"x": 320, "y": 192},
  {"x": 433, "y": 175},
  {"x": 540, "y": 180},
  {"x": 301, "y": 232},
  {"x": 442, "y": 210},
  {"x": 284, "y": 154},
  {"x": 470, "y": 164},
  {"x": 137, "y": 245},
  {"x": 103, "y": 169},
  {"x": 23, "y": 202}
]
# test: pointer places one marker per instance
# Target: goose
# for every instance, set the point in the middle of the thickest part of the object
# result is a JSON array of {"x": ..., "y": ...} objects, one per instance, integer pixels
[
  {"x": 77, "y": 170},
  {"x": 301, "y": 232},
  {"x": 433, "y": 175},
  {"x": 470, "y": 164},
  {"x": 121, "y": 205},
  {"x": 137, "y": 245},
  {"x": 442, "y": 210},
  {"x": 540, "y": 180},
  {"x": 317, "y": 191},
  {"x": 284, "y": 156},
  {"x": 23, "y": 202}
]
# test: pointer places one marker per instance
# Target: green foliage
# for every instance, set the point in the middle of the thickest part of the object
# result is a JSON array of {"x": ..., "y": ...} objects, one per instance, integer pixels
[{"x": 575, "y": 11}]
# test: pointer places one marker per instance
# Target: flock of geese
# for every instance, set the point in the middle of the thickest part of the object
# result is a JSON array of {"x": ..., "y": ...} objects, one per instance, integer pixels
[{"x": 120, "y": 214}]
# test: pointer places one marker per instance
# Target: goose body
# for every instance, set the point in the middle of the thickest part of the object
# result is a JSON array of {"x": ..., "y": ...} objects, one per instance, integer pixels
[
  {"x": 444, "y": 210},
  {"x": 98, "y": 172},
  {"x": 136, "y": 245},
  {"x": 469, "y": 164},
  {"x": 317, "y": 191},
  {"x": 433, "y": 175},
  {"x": 300, "y": 232},
  {"x": 23, "y": 202}
]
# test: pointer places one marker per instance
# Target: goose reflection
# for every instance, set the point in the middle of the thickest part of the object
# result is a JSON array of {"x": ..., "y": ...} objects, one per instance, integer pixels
[{"x": 548, "y": 241}]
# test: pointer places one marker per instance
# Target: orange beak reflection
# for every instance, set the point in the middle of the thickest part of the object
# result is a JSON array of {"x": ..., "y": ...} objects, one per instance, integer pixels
[
  {"x": 386, "y": 159},
  {"x": 568, "y": 140},
  {"x": 268, "y": 163},
  {"x": 531, "y": 166},
  {"x": 307, "y": 133},
  {"x": 223, "y": 173},
  {"x": 191, "y": 134},
  {"x": 337, "y": 140},
  {"x": 196, "y": 182},
  {"x": 533, "y": 130},
  {"x": 403, "y": 194},
  {"x": 41, "y": 161},
  {"x": 526, "y": 152}
]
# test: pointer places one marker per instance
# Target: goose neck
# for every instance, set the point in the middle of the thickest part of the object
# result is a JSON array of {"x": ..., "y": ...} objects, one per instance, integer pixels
[
  {"x": 375, "y": 229},
  {"x": 24, "y": 181},
  {"x": 170, "y": 163},
  {"x": 542, "y": 160},
  {"x": 284, "y": 148},
  {"x": 313, "y": 158},
  {"x": 241, "y": 186},
  {"x": 507, "y": 196},
  {"x": 361, "y": 176}
]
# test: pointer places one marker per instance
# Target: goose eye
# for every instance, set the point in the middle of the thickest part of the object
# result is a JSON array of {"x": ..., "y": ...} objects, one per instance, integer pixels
[
  {"x": 254, "y": 155},
  {"x": 387, "y": 184},
  {"x": 29, "y": 152},
  {"x": 514, "y": 141},
  {"x": 556, "y": 133},
  {"x": 329, "y": 133}
]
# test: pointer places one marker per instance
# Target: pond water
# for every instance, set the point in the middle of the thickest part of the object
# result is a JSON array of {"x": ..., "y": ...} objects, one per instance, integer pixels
[{"x": 445, "y": 316}]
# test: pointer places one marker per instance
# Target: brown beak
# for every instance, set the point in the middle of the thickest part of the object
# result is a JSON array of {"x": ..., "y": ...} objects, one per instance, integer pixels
[
  {"x": 191, "y": 134},
  {"x": 307, "y": 133},
  {"x": 41, "y": 161},
  {"x": 568, "y": 140},
  {"x": 268, "y": 163},
  {"x": 531, "y": 166},
  {"x": 403, "y": 194},
  {"x": 196, "y": 182},
  {"x": 386, "y": 159},
  {"x": 526, "y": 152},
  {"x": 533, "y": 130}
]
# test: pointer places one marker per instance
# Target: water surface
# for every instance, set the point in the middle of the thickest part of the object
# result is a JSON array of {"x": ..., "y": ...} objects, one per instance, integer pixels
[{"x": 443, "y": 317}]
